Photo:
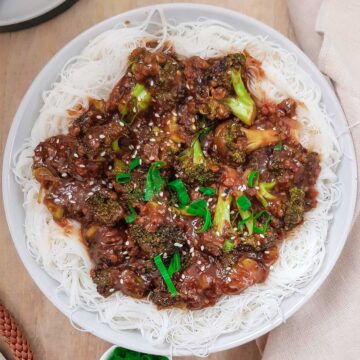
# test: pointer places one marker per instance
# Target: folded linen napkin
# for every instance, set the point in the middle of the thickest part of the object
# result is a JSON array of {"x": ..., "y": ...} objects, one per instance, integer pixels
[{"x": 327, "y": 327}]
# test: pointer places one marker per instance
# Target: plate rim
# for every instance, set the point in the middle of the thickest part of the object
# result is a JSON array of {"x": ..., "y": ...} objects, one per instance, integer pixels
[{"x": 315, "y": 283}]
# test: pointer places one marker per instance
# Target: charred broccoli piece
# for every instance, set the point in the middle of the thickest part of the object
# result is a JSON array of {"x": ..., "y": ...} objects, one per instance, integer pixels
[
  {"x": 241, "y": 105},
  {"x": 193, "y": 167},
  {"x": 294, "y": 212},
  {"x": 104, "y": 208},
  {"x": 159, "y": 242}
]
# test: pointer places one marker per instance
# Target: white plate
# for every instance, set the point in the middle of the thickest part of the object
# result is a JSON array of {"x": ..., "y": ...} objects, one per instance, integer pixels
[
  {"x": 15, "y": 13},
  {"x": 28, "y": 112}
]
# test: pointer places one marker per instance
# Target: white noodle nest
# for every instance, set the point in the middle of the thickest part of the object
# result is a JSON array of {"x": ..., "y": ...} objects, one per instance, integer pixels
[{"x": 93, "y": 74}]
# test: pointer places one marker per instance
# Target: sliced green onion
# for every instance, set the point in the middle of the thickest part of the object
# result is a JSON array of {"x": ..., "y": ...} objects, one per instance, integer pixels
[
  {"x": 253, "y": 178},
  {"x": 120, "y": 353},
  {"x": 278, "y": 147},
  {"x": 122, "y": 178},
  {"x": 115, "y": 146},
  {"x": 243, "y": 202},
  {"x": 207, "y": 190},
  {"x": 134, "y": 163},
  {"x": 131, "y": 218},
  {"x": 207, "y": 221},
  {"x": 154, "y": 181},
  {"x": 165, "y": 275},
  {"x": 143, "y": 97},
  {"x": 264, "y": 228},
  {"x": 228, "y": 245},
  {"x": 179, "y": 187},
  {"x": 175, "y": 264},
  {"x": 200, "y": 208},
  {"x": 197, "y": 207}
]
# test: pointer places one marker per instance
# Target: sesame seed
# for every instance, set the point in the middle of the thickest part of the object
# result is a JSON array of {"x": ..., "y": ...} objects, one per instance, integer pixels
[
  {"x": 152, "y": 139},
  {"x": 121, "y": 281},
  {"x": 102, "y": 136},
  {"x": 64, "y": 175},
  {"x": 110, "y": 167},
  {"x": 103, "y": 153},
  {"x": 178, "y": 245},
  {"x": 127, "y": 243},
  {"x": 192, "y": 249},
  {"x": 202, "y": 248},
  {"x": 202, "y": 268},
  {"x": 271, "y": 267},
  {"x": 81, "y": 165},
  {"x": 266, "y": 252},
  {"x": 157, "y": 115},
  {"x": 98, "y": 117},
  {"x": 121, "y": 123},
  {"x": 76, "y": 155}
]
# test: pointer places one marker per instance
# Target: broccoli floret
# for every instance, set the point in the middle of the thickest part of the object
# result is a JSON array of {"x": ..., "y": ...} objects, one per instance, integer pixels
[
  {"x": 134, "y": 189},
  {"x": 193, "y": 167},
  {"x": 160, "y": 242},
  {"x": 242, "y": 105},
  {"x": 140, "y": 99},
  {"x": 263, "y": 193},
  {"x": 104, "y": 208},
  {"x": 294, "y": 212}
]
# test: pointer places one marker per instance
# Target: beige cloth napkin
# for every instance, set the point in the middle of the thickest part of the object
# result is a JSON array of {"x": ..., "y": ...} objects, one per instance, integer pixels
[{"x": 328, "y": 326}]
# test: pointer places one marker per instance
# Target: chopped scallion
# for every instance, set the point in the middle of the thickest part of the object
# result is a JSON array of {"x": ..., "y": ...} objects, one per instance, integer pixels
[
  {"x": 243, "y": 202},
  {"x": 131, "y": 218},
  {"x": 179, "y": 187},
  {"x": 165, "y": 275},
  {"x": 207, "y": 190},
  {"x": 267, "y": 220},
  {"x": 122, "y": 178},
  {"x": 253, "y": 178}
]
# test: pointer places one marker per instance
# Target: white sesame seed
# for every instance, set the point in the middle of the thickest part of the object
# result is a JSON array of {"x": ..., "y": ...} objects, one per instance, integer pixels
[
  {"x": 110, "y": 167},
  {"x": 192, "y": 250},
  {"x": 99, "y": 117},
  {"x": 152, "y": 139},
  {"x": 202, "y": 248},
  {"x": 76, "y": 155},
  {"x": 81, "y": 165},
  {"x": 178, "y": 245},
  {"x": 271, "y": 267},
  {"x": 121, "y": 123},
  {"x": 121, "y": 281},
  {"x": 127, "y": 243},
  {"x": 202, "y": 268},
  {"x": 157, "y": 115},
  {"x": 64, "y": 175},
  {"x": 103, "y": 153},
  {"x": 102, "y": 136}
]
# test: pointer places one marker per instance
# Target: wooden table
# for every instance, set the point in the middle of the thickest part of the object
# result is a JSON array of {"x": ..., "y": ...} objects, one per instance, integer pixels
[{"x": 22, "y": 56}]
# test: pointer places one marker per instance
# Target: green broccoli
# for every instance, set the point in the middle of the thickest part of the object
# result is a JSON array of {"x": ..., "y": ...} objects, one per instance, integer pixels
[
  {"x": 104, "y": 209},
  {"x": 257, "y": 138},
  {"x": 294, "y": 212},
  {"x": 242, "y": 105},
  {"x": 139, "y": 101},
  {"x": 193, "y": 167},
  {"x": 263, "y": 193},
  {"x": 158, "y": 242}
]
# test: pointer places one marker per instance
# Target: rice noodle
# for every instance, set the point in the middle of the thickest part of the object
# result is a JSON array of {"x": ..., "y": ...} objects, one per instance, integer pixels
[{"x": 93, "y": 74}]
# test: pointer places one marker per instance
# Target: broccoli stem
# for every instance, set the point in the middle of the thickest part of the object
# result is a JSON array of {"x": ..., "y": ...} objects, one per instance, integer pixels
[
  {"x": 263, "y": 194},
  {"x": 142, "y": 96},
  {"x": 222, "y": 210},
  {"x": 198, "y": 155},
  {"x": 257, "y": 139},
  {"x": 242, "y": 106},
  {"x": 139, "y": 101}
]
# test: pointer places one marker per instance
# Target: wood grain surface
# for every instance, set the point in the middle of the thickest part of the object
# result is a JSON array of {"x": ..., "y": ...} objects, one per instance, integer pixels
[{"x": 22, "y": 56}]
